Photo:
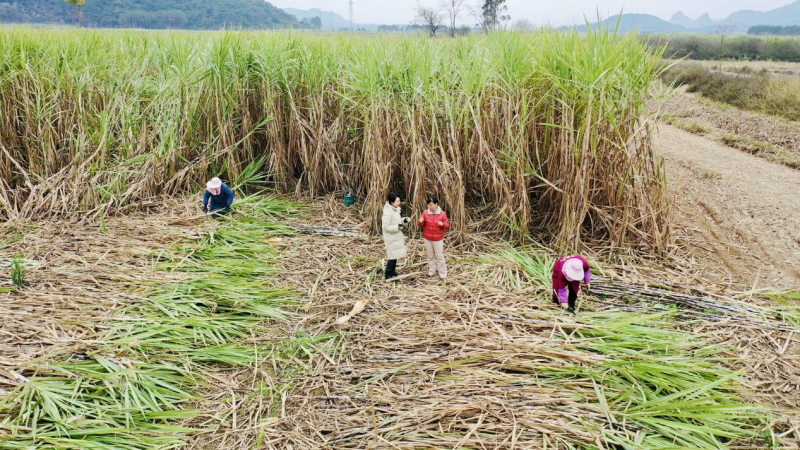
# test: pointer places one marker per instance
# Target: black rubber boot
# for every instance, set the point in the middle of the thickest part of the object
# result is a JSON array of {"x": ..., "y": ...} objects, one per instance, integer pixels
[{"x": 391, "y": 271}]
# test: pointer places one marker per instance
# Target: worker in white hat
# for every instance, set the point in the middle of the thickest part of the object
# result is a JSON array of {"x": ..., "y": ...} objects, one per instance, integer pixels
[
  {"x": 568, "y": 272},
  {"x": 218, "y": 198}
]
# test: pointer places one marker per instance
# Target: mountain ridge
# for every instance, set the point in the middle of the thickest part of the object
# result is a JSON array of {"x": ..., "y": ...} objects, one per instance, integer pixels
[
  {"x": 259, "y": 14},
  {"x": 627, "y": 23},
  {"x": 737, "y": 22},
  {"x": 157, "y": 14}
]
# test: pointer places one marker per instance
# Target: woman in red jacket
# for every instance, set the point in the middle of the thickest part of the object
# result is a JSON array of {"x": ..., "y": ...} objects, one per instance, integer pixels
[{"x": 434, "y": 223}]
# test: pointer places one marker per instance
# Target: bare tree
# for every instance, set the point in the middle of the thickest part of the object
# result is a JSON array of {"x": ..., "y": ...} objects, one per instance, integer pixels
[
  {"x": 453, "y": 9},
  {"x": 477, "y": 15},
  {"x": 726, "y": 28},
  {"x": 429, "y": 18},
  {"x": 78, "y": 4}
]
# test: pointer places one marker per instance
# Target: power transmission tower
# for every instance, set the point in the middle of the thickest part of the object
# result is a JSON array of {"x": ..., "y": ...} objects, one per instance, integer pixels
[{"x": 352, "y": 14}]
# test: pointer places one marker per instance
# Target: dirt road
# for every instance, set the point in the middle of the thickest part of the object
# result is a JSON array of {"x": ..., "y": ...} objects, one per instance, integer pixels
[{"x": 741, "y": 212}]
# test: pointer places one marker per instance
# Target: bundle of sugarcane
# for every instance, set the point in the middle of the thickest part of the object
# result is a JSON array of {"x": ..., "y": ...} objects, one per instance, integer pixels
[
  {"x": 338, "y": 231},
  {"x": 712, "y": 309}
]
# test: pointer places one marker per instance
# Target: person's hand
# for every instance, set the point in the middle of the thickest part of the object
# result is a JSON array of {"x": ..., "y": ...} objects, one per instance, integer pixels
[
  {"x": 441, "y": 224},
  {"x": 588, "y": 286},
  {"x": 205, "y": 209},
  {"x": 564, "y": 305},
  {"x": 421, "y": 220},
  {"x": 406, "y": 220}
]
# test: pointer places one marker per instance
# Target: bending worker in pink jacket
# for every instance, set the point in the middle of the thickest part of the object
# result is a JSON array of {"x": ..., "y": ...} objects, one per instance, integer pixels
[{"x": 568, "y": 272}]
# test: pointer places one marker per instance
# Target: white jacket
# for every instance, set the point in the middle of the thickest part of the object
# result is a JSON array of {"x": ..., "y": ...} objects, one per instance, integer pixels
[{"x": 393, "y": 237}]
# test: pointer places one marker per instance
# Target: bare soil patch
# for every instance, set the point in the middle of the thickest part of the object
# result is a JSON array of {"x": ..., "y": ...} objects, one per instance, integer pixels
[{"x": 739, "y": 211}]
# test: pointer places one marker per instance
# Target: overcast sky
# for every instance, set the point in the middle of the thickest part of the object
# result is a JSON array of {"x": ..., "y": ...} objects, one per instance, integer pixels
[{"x": 554, "y": 12}]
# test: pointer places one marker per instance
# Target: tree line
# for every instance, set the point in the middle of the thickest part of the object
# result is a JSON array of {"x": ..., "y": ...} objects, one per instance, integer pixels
[
  {"x": 489, "y": 15},
  {"x": 774, "y": 30},
  {"x": 709, "y": 47}
]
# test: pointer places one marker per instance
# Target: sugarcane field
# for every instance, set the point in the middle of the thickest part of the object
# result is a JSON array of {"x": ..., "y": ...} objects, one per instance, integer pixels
[{"x": 363, "y": 240}]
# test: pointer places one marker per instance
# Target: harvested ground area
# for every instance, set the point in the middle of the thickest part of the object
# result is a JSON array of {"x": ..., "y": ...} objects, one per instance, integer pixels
[
  {"x": 739, "y": 211},
  {"x": 466, "y": 363},
  {"x": 76, "y": 277},
  {"x": 482, "y": 360},
  {"x": 768, "y": 137}
]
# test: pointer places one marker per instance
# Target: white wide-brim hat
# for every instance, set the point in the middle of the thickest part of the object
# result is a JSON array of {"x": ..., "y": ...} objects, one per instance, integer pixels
[
  {"x": 214, "y": 183},
  {"x": 573, "y": 269}
]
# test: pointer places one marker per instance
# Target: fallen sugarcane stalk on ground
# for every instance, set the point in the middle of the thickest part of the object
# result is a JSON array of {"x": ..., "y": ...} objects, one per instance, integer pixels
[
  {"x": 341, "y": 231},
  {"x": 132, "y": 385},
  {"x": 478, "y": 361},
  {"x": 702, "y": 307}
]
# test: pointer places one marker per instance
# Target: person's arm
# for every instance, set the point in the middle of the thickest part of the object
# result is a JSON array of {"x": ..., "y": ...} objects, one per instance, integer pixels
[
  {"x": 229, "y": 197},
  {"x": 562, "y": 295},
  {"x": 587, "y": 272},
  {"x": 206, "y": 197},
  {"x": 386, "y": 224},
  {"x": 445, "y": 221}
]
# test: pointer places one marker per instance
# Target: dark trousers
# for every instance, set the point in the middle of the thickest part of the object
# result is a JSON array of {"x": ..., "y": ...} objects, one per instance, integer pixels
[
  {"x": 391, "y": 269},
  {"x": 573, "y": 297}
]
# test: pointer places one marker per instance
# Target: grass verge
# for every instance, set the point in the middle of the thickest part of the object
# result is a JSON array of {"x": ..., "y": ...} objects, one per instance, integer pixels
[
  {"x": 691, "y": 127},
  {"x": 748, "y": 90}
]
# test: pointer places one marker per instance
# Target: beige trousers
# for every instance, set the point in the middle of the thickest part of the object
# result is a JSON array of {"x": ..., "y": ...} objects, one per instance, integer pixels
[{"x": 436, "y": 258}]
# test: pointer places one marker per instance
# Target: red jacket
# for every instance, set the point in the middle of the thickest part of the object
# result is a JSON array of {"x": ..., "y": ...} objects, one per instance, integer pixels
[
  {"x": 430, "y": 227},
  {"x": 560, "y": 282}
]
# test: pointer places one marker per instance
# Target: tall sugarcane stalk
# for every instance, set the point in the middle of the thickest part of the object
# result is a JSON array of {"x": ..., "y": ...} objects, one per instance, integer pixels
[{"x": 546, "y": 131}]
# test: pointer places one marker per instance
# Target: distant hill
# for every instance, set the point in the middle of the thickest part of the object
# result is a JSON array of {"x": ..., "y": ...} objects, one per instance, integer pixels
[
  {"x": 784, "y": 16},
  {"x": 742, "y": 21},
  {"x": 683, "y": 20},
  {"x": 679, "y": 18},
  {"x": 738, "y": 22},
  {"x": 330, "y": 20},
  {"x": 636, "y": 22},
  {"x": 186, "y": 14}
]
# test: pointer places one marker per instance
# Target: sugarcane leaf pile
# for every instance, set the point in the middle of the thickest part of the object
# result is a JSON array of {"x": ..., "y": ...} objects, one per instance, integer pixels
[
  {"x": 535, "y": 264},
  {"x": 136, "y": 381},
  {"x": 659, "y": 387},
  {"x": 455, "y": 377},
  {"x": 477, "y": 363}
]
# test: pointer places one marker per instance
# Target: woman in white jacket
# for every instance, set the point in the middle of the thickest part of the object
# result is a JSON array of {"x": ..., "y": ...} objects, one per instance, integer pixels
[{"x": 393, "y": 237}]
